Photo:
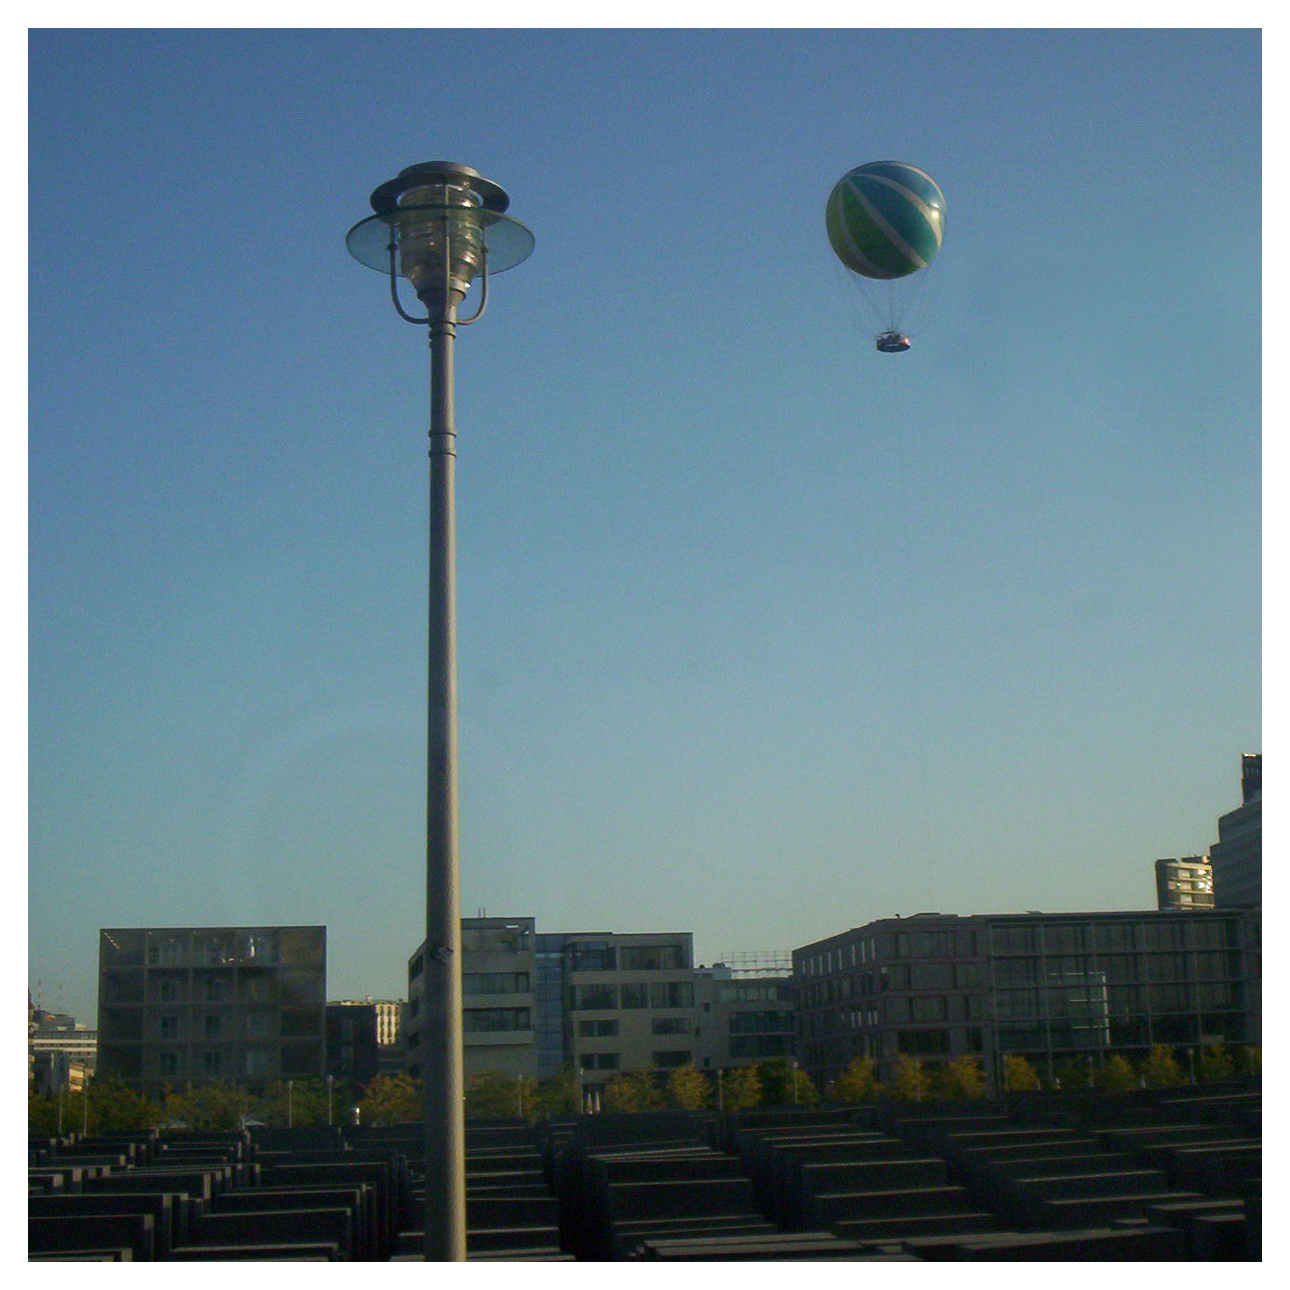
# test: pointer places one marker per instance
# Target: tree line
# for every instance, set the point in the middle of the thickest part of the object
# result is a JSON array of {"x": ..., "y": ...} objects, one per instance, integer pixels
[{"x": 108, "y": 1104}]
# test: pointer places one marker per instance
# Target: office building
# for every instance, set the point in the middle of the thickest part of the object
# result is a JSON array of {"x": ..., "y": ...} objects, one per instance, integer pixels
[
  {"x": 1187, "y": 883},
  {"x": 744, "y": 1011},
  {"x": 352, "y": 1047},
  {"x": 182, "y": 1004},
  {"x": 1049, "y": 987},
  {"x": 498, "y": 1003},
  {"x": 61, "y": 1053},
  {"x": 605, "y": 1002},
  {"x": 1237, "y": 857}
]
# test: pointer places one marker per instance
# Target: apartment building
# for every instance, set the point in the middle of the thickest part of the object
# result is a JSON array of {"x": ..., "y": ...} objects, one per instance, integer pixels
[
  {"x": 630, "y": 1002},
  {"x": 179, "y": 1004},
  {"x": 1049, "y": 987},
  {"x": 744, "y": 1011},
  {"x": 498, "y": 1001},
  {"x": 1186, "y": 883},
  {"x": 605, "y": 1002}
]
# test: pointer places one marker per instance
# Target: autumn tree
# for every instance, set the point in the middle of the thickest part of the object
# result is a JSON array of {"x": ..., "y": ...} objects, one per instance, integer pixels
[
  {"x": 43, "y": 1115},
  {"x": 687, "y": 1089},
  {"x": 1019, "y": 1076},
  {"x": 1116, "y": 1076},
  {"x": 633, "y": 1091},
  {"x": 1249, "y": 1062},
  {"x": 908, "y": 1081},
  {"x": 490, "y": 1095},
  {"x": 391, "y": 1099},
  {"x": 783, "y": 1084},
  {"x": 740, "y": 1088},
  {"x": 113, "y": 1105},
  {"x": 960, "y": 1079},
  {"x": 1215, "y": 1066},
  {"x": 294, "y": 1103},
  {"x": 1160, "y": 1069},
  {"x": 858, "y": 1083},
  {"x": 1071, "y": 1073},
  {"x": 218, "y": 1104},
  {"x": 558, "y": 1095}
]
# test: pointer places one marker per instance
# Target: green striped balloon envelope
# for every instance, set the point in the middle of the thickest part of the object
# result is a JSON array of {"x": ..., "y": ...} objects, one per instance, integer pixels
[{"x": 886, "y": 219}]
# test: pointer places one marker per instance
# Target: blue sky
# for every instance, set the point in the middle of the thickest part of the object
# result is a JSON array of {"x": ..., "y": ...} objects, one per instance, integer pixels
[{"x": 762, "y": 634}]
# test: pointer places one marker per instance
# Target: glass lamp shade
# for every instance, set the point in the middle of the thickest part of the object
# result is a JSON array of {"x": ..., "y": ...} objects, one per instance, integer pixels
[{"x": 439, "y": 246}]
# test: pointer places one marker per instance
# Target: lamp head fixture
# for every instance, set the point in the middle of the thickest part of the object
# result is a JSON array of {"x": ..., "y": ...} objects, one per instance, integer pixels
[{"x": 441, "y": 225}]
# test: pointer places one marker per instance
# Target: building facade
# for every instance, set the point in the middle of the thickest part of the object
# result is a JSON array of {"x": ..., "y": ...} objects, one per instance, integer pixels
[
  {"x": 1186, "y": 883},
  {"x": 1237, "y": 856},
  {"x": 352, "y": 1048},
  {"x": 61, "y": 1053},
  {"x": 601, "y": 1003},
  {"x": 181, "y": 1004},
  {"x": 745, "y": 1012},
  {"x": 1049, "y": 987},
  {"x": 498, "y": 1001}
]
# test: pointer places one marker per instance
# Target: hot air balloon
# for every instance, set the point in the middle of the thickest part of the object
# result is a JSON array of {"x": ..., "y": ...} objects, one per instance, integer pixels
[{"x": 885, "y": 222}]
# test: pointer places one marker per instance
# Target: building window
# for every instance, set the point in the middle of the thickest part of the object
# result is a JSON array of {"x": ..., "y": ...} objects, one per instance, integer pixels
[
  {"x": 1166, "y": 967},
  {"x": 759, "y": 1046},
  {"x": 748, "y": 992},
  {"x": 168, "y": 990},
  {"x": 256, "y": 1062},
  {"x": 756, "y": 1023},
  {"x": 212, "y": 1028},
  {"x": 927, "y": 1008},
  {"x": 598, "y": 1029},
  {"x": 650, "y": 958},
  {"x": 670, "y": 1026},
  {"x": 475, "y": 1020},
  {"x": 591, "y": 956},
  {"x": 926, "y": 945},
  {"x": 1169, "y": 934},
  {"x": 594, "y": 998},
  {"x": 169, "y": 1027},
  {"x": 167, "y": 953},
  {"x": 257, "y": 1026},
  {"x": 210, "y": 1063},
  {"x": 168, "y": 1063},
  {"x": 931, "y": 976},
  {"x": 599, "y": 1061},
  {"x": 495, "y": 983},
  {"x": 923, "y": 1043},
  {"x": 673, "y": 1058},
  {"x": 635, "y": 996},
  {"x": 672, "y": 994},
  {"x": 1114, "y": 936},
  {"x": 510, "y": 938}
]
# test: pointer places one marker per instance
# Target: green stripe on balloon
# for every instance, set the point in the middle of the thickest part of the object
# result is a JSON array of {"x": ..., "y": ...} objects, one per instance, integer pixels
[
  {"x": 894, "y": 205},
  {"x": 885, "y": 259}
]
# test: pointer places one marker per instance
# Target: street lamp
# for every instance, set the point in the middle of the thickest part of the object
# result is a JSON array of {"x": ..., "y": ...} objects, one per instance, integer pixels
[{"x": 441, "y": 226}]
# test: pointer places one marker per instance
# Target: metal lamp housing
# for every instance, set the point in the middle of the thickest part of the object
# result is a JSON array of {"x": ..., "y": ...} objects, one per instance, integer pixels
[{"x": 438, "y": 211}]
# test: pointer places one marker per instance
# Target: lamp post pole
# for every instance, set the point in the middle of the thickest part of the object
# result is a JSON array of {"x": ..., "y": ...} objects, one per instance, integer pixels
[
  {"x": 443, "y": 224},
  {"x": 441, "y": 1067}
]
